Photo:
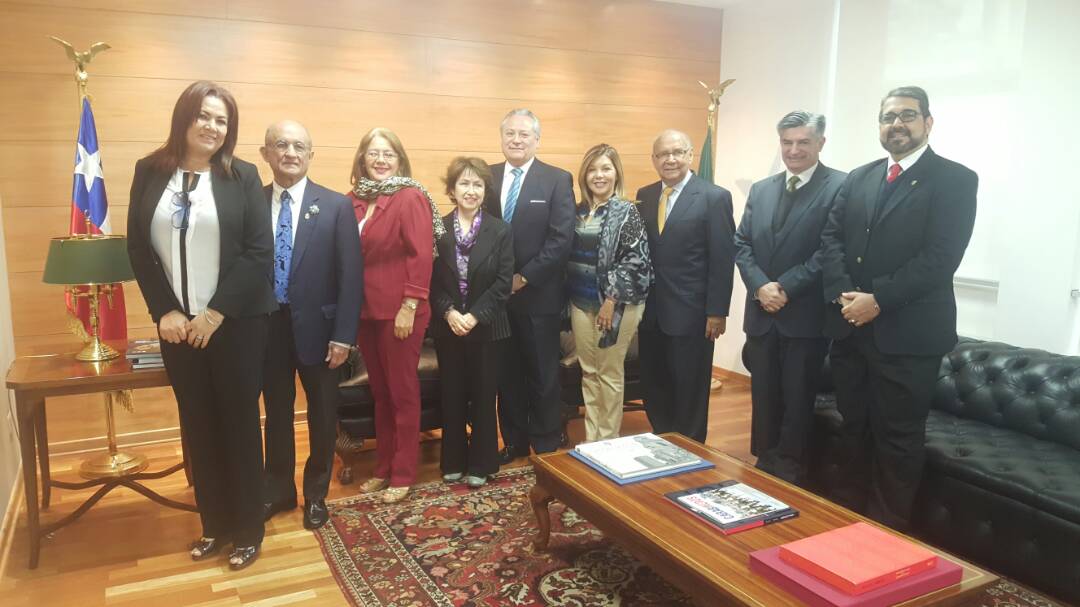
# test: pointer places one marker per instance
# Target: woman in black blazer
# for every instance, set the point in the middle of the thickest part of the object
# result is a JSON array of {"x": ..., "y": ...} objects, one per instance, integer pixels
[
  {"x": 470, "y": 285},
  {"x": 201, "y": 245}
]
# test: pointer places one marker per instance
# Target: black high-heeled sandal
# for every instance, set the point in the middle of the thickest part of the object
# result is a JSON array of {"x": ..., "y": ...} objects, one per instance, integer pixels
[
  {"x": 245, "y": 556},
  {"x": 205, "y": 547}
]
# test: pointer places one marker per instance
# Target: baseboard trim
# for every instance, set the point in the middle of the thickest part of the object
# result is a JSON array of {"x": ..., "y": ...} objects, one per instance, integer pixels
[
  {"x": 11, "y": 520},
  {"x": 727, "y": 375}
]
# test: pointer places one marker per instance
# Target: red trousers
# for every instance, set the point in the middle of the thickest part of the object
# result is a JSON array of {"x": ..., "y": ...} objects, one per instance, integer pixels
[{"x": 391, "y": 365}]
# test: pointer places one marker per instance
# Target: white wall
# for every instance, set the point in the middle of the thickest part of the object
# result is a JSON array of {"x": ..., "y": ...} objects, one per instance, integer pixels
[
  {"x": 9, "y": 442},
  {"x": 1003, "y": 82}
]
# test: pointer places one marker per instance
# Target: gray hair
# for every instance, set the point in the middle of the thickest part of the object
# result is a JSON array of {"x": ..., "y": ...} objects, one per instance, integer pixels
[
  {"x": 675, "y": 135},
  {"x": 522, "y": 112},
  {"x": 793, "y": 120}
]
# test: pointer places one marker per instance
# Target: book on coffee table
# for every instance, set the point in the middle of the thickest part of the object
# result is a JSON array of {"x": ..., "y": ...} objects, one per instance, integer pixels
[
  {"x": 858, "y": 558},
  {"x": 818, "y": 593},
  {"x": 631, "y": 459},
  {"x": 732, "y": 506}
]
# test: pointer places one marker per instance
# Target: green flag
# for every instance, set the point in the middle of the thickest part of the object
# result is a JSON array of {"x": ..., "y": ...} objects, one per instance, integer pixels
[{"x": 705, "y": 160}]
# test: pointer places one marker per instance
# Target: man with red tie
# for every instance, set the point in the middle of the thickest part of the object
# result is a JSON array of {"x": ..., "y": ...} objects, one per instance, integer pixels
[{"x": 895, "y": 236}]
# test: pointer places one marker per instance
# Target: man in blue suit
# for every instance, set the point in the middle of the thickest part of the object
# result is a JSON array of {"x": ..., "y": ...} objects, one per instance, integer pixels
[
  {"x": 778, "y": 251},
  {"x": 537, "y": 200},
  {"x": 318, "y": 283},
  {"x": 690, "y": 227}
]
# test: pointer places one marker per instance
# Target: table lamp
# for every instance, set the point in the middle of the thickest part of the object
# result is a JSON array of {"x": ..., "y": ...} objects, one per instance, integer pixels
[{"x": 95, "y": 262}]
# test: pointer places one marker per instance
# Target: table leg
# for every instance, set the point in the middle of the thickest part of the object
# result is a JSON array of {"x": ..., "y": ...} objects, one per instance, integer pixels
[
  {"x": 540, "y": 499},
  {"x": 42, "y": 427},
  {"x": 27, "y": 414}
]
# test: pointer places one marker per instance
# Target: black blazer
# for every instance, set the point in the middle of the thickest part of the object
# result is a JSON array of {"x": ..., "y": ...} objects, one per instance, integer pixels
[
  {"x": 491, "y": 270},
  {"x": 907, "y": 257},
  {"x": 694, "y": 260},
  {"x": 791, "y": 256},
  {"x": 543, "y": 227},
  {"x": 326, "y": 277},
  {"x": 245, "y": 273}
]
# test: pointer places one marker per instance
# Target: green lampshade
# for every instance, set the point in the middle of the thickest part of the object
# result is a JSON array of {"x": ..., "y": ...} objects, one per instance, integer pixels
[{"x": 82, "y": 260}]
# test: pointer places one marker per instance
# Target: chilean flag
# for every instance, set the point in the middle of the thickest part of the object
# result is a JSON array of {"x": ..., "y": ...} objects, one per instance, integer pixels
[{"x": 88, "y": 200}]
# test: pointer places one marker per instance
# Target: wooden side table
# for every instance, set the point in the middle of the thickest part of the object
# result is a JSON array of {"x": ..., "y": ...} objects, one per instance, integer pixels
[{"x": 36, "y": 378}]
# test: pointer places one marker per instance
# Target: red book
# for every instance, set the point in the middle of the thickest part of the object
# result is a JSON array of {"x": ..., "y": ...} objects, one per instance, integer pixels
[
  {"x": 817, "y": 593},
  {"x": 858, "y": 558}
]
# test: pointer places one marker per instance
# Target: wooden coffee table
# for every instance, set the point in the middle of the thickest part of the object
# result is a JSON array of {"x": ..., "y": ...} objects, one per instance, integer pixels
[{"x": 707, "y": 565}]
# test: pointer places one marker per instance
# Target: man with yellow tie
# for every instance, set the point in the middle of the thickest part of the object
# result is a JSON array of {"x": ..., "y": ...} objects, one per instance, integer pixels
[{"x": 691, "y": 228}]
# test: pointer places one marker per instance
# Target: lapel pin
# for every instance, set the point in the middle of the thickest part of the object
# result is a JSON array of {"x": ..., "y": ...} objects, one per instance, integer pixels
[
  {"x": 914, "y": 181},
  {"x": 313, "y": 210}
]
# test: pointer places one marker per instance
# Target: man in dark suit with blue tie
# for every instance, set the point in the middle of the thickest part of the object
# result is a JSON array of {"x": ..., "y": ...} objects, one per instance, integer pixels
[
  {"x": 318, "y": 283},
  {"x": 690, "y": 227},
  {"x": 537, "y": 200},
  {"x": 778, "y": 251},
  {"x": 895, "y": 236}
]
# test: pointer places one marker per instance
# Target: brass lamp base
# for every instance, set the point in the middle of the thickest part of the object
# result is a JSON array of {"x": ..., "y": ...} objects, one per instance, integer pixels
[
  {"x": 112, "y": 465},
  {"x": 97, "y": 351}
]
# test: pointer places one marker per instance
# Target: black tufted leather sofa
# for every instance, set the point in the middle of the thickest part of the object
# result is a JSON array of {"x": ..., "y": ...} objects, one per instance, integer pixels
[
  {"x": 1002, "y": 480},
  {"x": 356, "y": 411}
]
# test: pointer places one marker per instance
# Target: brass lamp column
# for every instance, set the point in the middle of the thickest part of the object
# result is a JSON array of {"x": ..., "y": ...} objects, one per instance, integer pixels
[{"x": 96, "y": 262}]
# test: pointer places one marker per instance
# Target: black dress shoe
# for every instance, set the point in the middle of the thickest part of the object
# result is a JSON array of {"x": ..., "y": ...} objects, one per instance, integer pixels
[
  {"x": 315, "y": 514},
  {"x": 243, "y": 556},
  {"x": 206, "y": 547},
  {"x": 272, "y": 508}
]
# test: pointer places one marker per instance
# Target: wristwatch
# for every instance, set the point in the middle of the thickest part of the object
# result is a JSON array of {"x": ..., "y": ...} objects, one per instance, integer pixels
[{"x": 411, "y": 305}]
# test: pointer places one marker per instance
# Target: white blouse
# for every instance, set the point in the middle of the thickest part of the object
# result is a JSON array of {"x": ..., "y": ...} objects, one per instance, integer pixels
[{"x": 203, "y": 242}]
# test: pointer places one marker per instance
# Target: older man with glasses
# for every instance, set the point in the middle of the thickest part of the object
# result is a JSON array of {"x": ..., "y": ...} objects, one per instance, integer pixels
[
  {"x": 895, "y": 236},
  {"x": 690, "y": 228}
]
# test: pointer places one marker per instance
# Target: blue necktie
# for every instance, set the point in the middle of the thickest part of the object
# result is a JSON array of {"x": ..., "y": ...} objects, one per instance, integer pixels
[
  {"x": 283, "y": 249},
  {"x": 512, "y": 195}
]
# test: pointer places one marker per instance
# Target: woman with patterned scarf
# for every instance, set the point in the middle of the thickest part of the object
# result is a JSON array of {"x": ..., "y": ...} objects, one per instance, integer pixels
[
  {"x": 608, "y": 277},
  {"x": 469, "y": 289},
  {"x": 399, "y": 225}
]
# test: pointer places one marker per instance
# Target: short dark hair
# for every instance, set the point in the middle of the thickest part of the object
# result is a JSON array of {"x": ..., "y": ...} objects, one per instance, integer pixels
[
  {"x": 459, "y": 165},
  {"x": 911, "y": 92},
  {"x": 169, "y": 156},
  {"x": 793, "y": 120}
]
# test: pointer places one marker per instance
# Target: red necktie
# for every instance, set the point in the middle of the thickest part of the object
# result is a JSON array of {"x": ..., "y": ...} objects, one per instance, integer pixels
[{"x": 894, "y": 170}]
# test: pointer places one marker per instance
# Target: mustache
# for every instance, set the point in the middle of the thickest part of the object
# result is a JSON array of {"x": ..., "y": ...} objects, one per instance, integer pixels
[{"x": 899, "y": 130}]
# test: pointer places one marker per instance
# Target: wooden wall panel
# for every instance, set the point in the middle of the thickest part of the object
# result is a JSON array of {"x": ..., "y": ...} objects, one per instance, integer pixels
[{"x": 441, "y": 74}]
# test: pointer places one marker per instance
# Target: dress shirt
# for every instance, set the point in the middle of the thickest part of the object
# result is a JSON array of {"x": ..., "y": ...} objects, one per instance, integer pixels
[
  {"x": 508, "y": 179},
  {"x": 675, "y": 191},
  {"x": 296, "y": 192},
  {"x": 203, "y": 243},
  {"x": 804, "y": 177},
  {"x": 907, "y": 161}
]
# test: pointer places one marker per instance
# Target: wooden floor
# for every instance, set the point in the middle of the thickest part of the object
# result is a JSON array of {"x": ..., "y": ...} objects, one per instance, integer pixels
[{"x": 130, "y": 551}]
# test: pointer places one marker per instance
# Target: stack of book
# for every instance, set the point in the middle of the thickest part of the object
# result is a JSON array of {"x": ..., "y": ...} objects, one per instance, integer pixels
[
  {"x": 144, "y": 354},
  {"x": 732, "y": 506},
  {"x": 630, "y": 459},
  {"x": 855, "y": 566}
]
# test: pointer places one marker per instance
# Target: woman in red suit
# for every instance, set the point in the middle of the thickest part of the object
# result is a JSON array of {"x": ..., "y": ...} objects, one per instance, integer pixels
[{"x": 399, "y": 225}]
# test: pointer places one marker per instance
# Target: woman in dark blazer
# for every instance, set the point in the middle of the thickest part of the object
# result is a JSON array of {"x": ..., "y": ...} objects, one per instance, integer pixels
[
  {"x": 201, "y": 246},
  {"x": 469, "y": 289}
]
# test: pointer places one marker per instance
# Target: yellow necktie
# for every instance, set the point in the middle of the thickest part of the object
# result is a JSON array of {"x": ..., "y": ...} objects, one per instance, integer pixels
[{"x": 661, "y": 210}]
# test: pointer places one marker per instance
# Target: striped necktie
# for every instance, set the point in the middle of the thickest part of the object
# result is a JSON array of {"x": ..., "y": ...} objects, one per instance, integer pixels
[{"x": 512, "y": 195}]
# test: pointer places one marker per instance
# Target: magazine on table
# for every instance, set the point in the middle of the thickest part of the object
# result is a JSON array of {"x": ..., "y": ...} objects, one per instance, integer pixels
[
  {"x": 143, "y": 349},
  {"x": 733, "y": 506},
  {"x": 639, "y": 457}
]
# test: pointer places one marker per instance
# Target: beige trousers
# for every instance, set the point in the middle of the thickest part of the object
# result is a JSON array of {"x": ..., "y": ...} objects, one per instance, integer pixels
[{"x": 602, "y": 370}]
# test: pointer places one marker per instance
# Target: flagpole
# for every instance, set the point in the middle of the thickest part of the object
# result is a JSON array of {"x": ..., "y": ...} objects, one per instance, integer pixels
[{"x": 113, "y": 463}]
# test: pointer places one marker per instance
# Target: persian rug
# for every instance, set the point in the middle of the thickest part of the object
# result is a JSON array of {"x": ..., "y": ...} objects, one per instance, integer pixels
[{"x": 448, "y": 545}]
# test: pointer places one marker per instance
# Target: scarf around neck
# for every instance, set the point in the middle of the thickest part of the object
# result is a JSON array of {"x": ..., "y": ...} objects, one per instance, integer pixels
[
  {"x": 369, "y": 189},
  {"x": 465, "y": 244}
]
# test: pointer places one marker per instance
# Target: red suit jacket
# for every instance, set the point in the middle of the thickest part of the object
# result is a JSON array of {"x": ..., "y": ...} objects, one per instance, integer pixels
[{"x": 397, "y": 244}]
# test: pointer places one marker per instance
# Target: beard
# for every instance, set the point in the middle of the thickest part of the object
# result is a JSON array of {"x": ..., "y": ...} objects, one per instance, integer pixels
[{"x": 897, "y": 145}]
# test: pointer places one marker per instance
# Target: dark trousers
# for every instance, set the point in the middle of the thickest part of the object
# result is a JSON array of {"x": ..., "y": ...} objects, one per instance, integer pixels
[
  {"x": 675, "y": 374},
  {"x": 784, "y": 376},
  {"x": 529, "y": 404},
  {"x": 884, "y": 400},
  {"x": 217, "y": 391},
  {"x": 279, "y": 395},
  {"x": 467, "y": 369}
]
